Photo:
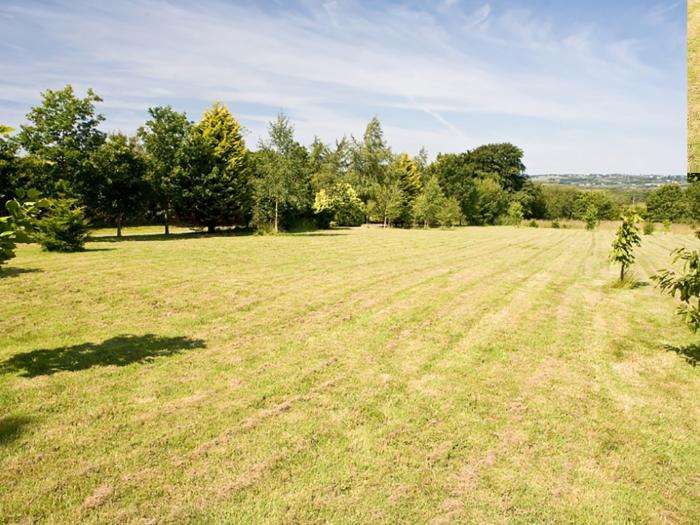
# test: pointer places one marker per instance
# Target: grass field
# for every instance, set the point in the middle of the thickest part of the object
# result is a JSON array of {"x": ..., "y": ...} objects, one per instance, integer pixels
[
  {"x": 480, "y": 375},
  {"x": 694, "y": 86}
]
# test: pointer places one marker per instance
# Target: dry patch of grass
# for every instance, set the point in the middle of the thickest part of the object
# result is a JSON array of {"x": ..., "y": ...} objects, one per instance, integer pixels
[{"x": 479, "y": 375}]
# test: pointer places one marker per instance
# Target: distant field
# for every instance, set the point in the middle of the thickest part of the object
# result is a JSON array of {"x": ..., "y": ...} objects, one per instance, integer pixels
[
  {"x": 480, "y": 375},
  {"x": 694, "y": 86}
]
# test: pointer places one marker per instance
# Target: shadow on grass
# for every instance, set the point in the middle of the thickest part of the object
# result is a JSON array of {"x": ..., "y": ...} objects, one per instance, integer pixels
[
  {"x": 170, "y": 237},
  {"x": 691, "y": 353},
  {"x": 11, "y": 427},
  {"x": 629, "y": 284},
  {"x": 14, "y": 272},
  {"x": 121, "y": 350}
]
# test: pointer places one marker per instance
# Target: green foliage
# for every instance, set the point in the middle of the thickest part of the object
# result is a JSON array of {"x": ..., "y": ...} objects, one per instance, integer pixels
[
  {"x": 370, "y": 161},
  {"x": 388, "y": 202},
  {"x": 533, "y": 224},
  {"x": 283, "y": 180},
  {"x": 455, "y": 176},
  {"x": 61, "y": 136},
  {"x": 211, "y": 185},
  {"x": 667, "y": 226},
  {"x": 492, "y": 201},
  {"x": 648, "y": 228},
  {"x": 20, "y": 223},
  {"x": 501, "y": 162},
  {"x": 556, "y": 224},
  {"x": 667, "y": 203},
  {"x": 340, "y": 205},
  {"x": 449, "y": 213},
  {"x": 515, "y": 213},
  {"x": 686, "y": 284},
  {"x": 626, "y": 239},
  {"x": 63, "y": 228},
  {"x": 163, "y": 137},
  {"x": 692, "y": 198},
  {"x": 119, "y": 190},
  {"x": 428, "y": 204},
  {"x": 591, "y": 216},
  {"x": 406, "y": 171}
]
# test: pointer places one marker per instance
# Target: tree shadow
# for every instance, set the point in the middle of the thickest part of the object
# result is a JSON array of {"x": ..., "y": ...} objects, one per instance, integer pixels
[
  {"x": 691, "y": 353},
  {"x": 14, "y": 272},
  {"x": 237, "y": 232},
  {"x": 11, "y": 427},
  {"x": 121, "y": 350}
]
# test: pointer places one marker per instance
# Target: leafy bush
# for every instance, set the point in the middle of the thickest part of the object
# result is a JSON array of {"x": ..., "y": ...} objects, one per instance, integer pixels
[
  {"x": 648, "y": 228},
  {"x": 533, "y": 224},
  {"x": 667, "y": 226},
  {"x": 555, "y": 224},
  {"x": 20, "y": 224},
  {"x": 64, "y": 228},
  {"x": 515, "y": 213},
  {"x": 687, "y": 284}
]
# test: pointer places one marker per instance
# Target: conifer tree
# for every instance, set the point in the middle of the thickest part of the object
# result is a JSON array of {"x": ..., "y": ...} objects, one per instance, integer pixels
[{"x": 211, "y": 185}]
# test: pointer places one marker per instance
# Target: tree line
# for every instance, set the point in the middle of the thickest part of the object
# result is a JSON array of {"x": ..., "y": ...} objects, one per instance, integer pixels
[{"x": 203, "y": 174}]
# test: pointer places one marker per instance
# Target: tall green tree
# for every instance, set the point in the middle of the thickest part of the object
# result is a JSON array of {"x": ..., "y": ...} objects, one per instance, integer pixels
[
  {"x": 61, "y": 135},
  {"x": 388, "y": 201},
  {"x": 429, "y": 203},
  {"x": 492, "y": 200},
  {"x": 406, "y": 172},
  {"x": 626, "y": 239},
  {"x": 283, "y": 179},
  {"x": 456, "y": 177},
  {"x": 371, "y": 159},
  {"x": 501, "y": 162},
  {"x": 119, "y": 189},
  {"x": 163, "y": 137},
  {"x": 212, "y": 183},
  {"x": 667, "y": 202}
]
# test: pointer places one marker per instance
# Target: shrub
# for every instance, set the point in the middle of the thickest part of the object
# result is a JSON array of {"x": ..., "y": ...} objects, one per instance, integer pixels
[
  {"x": 20, "y": 224},
  {"x": 63, "y": 228},
  {"x": 648, "y": 228},
  {"x": 591, "y": 217},
  {"x": 667, "y": 225},
  {"x": 533, "y": 224},
  {"x": 515, "y": 213},
  {"x": 555, "y": 224}
]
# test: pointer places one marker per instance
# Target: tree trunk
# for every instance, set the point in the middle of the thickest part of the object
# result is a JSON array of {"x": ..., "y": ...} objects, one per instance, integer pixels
[
  {"x": 119, "y": 225},
  {"x": 211, "y": 228},
  {"x": 276, "y": 208},
  {"x": 622, "y": 272},
  {"x": 167, "y": 223}
]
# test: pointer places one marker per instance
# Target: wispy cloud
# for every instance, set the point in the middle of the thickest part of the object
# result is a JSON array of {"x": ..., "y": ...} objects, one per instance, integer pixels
[{"x": 448, "y": 78}]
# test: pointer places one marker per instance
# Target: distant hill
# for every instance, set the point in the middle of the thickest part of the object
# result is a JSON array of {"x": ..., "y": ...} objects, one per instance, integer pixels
[{"x": 610, "y": 180}]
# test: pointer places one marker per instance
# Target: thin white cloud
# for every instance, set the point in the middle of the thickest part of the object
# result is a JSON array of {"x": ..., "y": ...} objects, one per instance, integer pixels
[{"x": 332, "y": 65}]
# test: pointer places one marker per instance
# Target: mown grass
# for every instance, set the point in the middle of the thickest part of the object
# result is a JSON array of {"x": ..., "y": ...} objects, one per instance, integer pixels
[
  {"x": 694, "y": 86},
  {"x": 479, "y": 375}
]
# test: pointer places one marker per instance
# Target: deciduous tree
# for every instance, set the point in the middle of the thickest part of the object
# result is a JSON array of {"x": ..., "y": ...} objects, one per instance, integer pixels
[
  {"x": 163, "y": 137},
  {"x": 626, "y": 239}
]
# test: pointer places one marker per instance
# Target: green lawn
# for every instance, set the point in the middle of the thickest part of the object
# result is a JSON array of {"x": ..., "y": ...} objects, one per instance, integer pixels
[{"x": 480, "y": 375}]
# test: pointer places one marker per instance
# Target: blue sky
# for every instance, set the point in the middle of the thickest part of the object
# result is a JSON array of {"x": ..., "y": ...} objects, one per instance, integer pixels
[{"x": 595, "y": 86}]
